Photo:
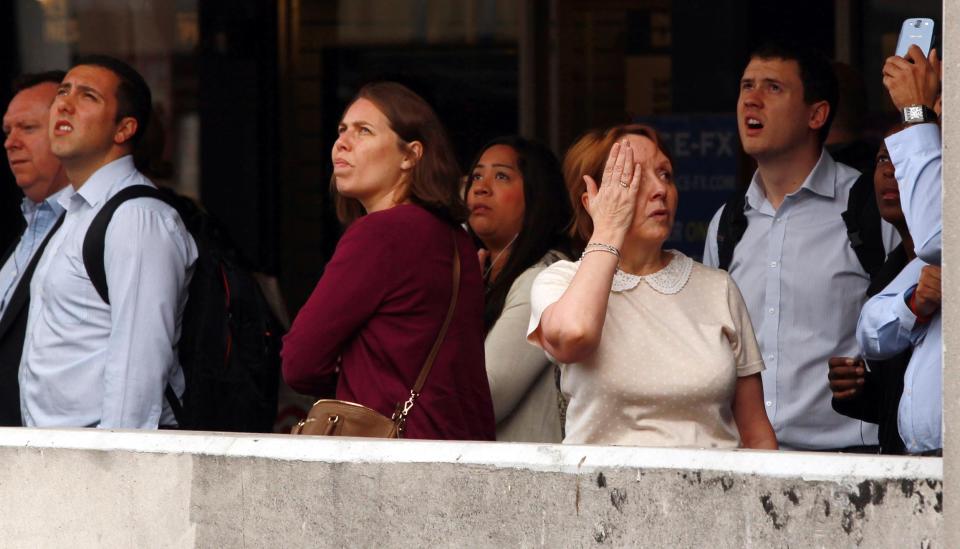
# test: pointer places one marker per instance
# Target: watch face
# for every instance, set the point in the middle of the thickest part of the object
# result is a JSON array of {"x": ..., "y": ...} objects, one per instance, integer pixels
[{"x": 913, "y": 113}]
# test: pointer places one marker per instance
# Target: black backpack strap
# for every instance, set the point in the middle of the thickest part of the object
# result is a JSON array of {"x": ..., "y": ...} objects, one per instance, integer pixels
[
  {"x": 175, "y": 405},
  {"x": 21, "y": 225},
  {"x": 863, "y": 222},
  {"x": 94, "y": 241},
  {"x": 21, "y": 293},
  {"x": 730, "y": 229},
  {"x": 13, "y": 246}
]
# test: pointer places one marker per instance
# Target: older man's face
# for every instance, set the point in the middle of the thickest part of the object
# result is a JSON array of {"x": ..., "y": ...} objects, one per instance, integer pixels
[{"x": 27, "y": 143}]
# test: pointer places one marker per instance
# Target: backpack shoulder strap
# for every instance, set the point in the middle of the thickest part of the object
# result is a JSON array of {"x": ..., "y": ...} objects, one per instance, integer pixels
[
  {"x": 21, "y": 293},
  {"x": 730, "y": 229},
  {"x": 94, "y": 241},
  {"x": 13, "y": 246},
  {"x": 863, "y": 222},
  {"x": 21, "y": 226}
]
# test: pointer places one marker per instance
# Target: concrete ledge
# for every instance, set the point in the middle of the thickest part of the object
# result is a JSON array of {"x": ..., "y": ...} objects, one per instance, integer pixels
[
  {"x": 531, "y": 457},
  {"x": 150, "y": 489}
]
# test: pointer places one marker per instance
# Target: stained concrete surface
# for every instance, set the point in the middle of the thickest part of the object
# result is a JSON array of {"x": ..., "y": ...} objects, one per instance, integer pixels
[
  {"x": 448, "y": 505},
  {"x": 91, "y": 488}
]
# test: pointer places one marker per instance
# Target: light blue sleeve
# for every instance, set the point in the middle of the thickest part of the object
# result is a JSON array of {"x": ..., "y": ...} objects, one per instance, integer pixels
[
  {"x": 916, "y": 153},
  {"x": 148, "y": 258},
  {"x": 887, "y": 326}
]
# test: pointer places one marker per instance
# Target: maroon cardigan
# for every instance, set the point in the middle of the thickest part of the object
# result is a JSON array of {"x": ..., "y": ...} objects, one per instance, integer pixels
[{"x": 379, "y": 306}]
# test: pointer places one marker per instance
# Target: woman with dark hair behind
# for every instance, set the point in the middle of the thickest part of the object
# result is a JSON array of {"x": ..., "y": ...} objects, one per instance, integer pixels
[
  {"x": 519, "y": 213},
  {"x": 378, "y": 308},
  {"x": 656, "y": 350}
]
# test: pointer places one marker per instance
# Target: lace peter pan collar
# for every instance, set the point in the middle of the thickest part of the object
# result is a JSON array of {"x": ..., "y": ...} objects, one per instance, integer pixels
[{"x": 668, "y": 280}]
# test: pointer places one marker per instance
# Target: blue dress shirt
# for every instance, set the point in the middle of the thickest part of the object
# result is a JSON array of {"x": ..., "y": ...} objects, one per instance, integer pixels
[
  {"x": 804, "y": 287},
  {"x": 89, "y": 364},
  {"x": 40, "y": 218}
]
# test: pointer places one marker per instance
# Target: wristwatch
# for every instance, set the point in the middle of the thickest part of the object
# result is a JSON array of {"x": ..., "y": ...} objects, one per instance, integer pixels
[{"x": 918, "y": 114}]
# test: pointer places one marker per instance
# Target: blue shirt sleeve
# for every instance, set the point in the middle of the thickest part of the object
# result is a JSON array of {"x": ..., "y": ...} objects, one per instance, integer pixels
[
  {"x": 149, "y": 258},
  {"x": 916, "y": 153},
  {"x": 887, "y": 326}
]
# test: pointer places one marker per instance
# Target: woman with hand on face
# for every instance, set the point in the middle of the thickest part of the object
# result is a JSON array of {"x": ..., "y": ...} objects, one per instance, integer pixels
[
  {"x": 378, "y": 308},
  {"x": 657, "y": 350},
  {"x": 519, "y": 213}
]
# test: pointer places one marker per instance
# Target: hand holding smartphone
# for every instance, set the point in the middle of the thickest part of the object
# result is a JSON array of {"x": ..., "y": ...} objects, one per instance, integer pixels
[
  {"x": 917, "y": 31},
  {"x": 912, "y": 76}
]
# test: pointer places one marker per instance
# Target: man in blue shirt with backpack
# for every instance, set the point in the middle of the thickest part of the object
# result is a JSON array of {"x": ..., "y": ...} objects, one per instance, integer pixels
[
  {"x": 801, "y": 268},
  {"x": 92, "y": 360}
]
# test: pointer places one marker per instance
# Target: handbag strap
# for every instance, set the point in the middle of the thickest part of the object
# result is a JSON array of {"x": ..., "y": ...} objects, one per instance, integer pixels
[{"x": 400, "y": 415}]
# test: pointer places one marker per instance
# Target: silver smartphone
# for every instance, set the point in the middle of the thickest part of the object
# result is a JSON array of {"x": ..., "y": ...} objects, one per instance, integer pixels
[{"x": 917, "y": 31}]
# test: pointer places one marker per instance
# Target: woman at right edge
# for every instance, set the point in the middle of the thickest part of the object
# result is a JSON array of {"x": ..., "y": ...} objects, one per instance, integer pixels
[{"x": 657, "y": 350}]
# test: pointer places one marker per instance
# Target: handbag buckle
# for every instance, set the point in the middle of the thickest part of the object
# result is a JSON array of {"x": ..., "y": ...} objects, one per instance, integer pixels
[{"x": 400, "y": 415}]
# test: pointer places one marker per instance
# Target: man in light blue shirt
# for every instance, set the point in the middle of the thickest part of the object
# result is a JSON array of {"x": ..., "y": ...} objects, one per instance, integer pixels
[
  {"x": 40, "y": 176},
  {"x": 88, "y": 362},
  {"x": 907, "y": 311},
  {"x": 802, "y": 282}
]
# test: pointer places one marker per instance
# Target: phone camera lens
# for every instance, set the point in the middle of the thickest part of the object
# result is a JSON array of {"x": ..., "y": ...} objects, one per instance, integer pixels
[{"x": 916, "y": 24}]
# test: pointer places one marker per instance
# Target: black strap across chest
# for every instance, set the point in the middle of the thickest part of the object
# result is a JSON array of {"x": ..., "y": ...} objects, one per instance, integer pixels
[
  {"x": 21, "y": 293},
  {"x": 94, "y": 242}
]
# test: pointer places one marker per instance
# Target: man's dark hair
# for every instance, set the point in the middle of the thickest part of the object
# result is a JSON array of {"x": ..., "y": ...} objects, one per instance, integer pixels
[
  {"x": 133, "y": 93},
  {"x": 816, "y": 74},
  {"x": 29, "y": 80}
]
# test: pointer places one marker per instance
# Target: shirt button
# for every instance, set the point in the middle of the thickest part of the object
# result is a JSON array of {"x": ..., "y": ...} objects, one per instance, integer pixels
[
  {"x": 771, "y": 357},
  {"x": 769, "y": 403},
  {"x": 771, "y": 310},
  {"x": 773, "y": 263}
]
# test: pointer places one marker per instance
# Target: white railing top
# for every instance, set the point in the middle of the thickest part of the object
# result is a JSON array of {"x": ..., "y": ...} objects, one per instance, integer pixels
[{"x": 536, "y": 457}]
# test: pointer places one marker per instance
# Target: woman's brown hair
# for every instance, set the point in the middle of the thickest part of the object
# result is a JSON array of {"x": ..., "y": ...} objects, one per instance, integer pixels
[
  {"x": 588, "y": 156},
  {"x": 435, "y": 179}
]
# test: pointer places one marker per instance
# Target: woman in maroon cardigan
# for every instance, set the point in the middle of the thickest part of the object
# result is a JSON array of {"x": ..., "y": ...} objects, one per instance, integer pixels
[{"x": 380, "y": 303}]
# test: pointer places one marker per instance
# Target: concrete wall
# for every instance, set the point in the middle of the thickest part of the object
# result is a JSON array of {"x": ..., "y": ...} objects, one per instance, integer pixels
[
  {"x": 142, "y": 489},
  {"x": 951, "y": 276}
]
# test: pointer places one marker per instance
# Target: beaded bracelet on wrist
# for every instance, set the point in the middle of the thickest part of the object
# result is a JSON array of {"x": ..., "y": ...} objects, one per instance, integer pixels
[{"x": 599, "y": 247}]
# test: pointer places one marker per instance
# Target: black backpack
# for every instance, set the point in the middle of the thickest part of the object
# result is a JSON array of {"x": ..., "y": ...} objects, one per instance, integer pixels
[
  {"x": 230, "y": 340},
  {"x": 862, "y": 219}
]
